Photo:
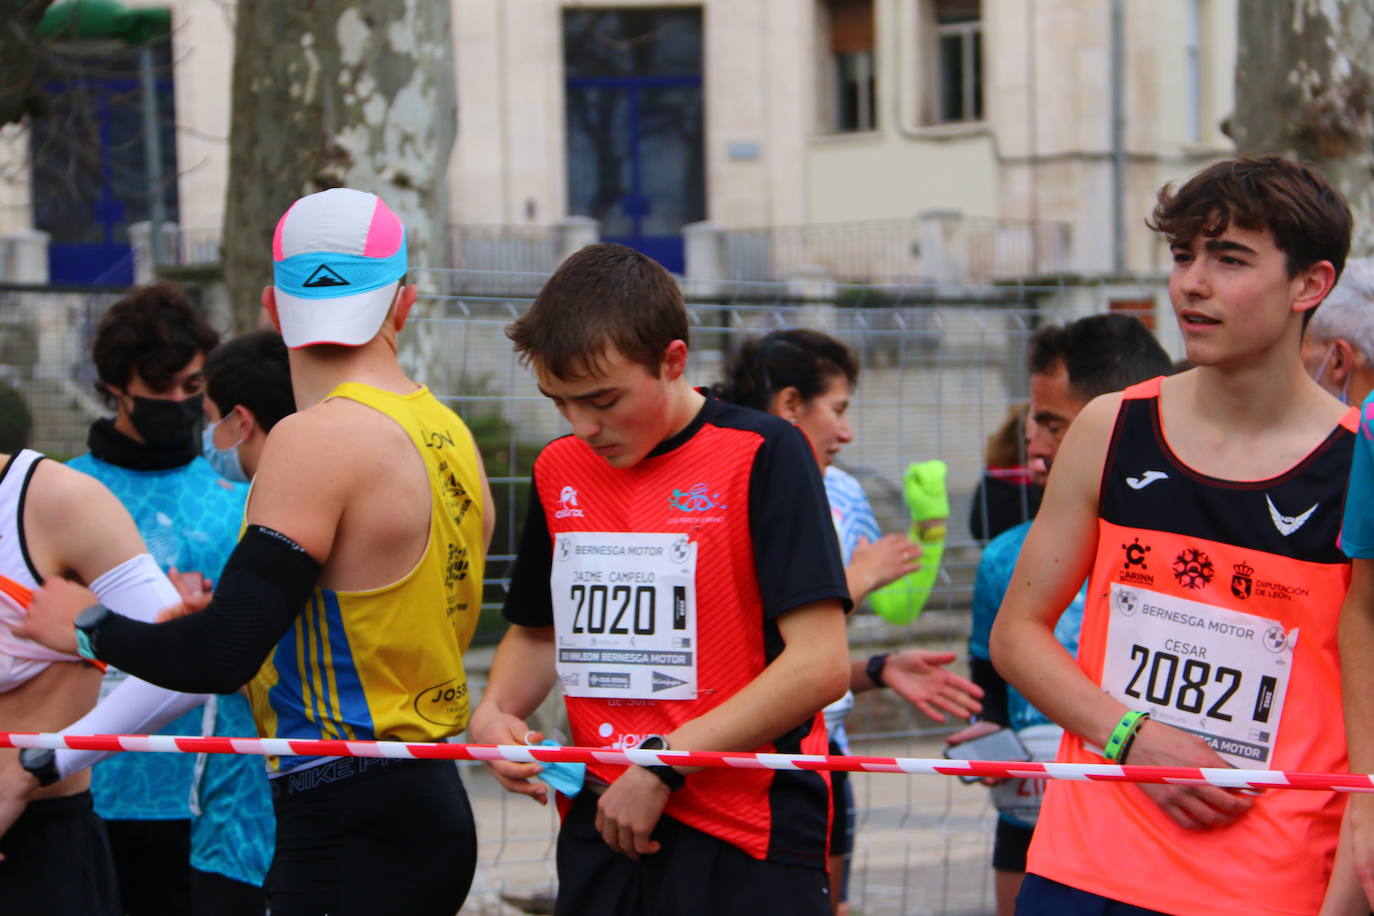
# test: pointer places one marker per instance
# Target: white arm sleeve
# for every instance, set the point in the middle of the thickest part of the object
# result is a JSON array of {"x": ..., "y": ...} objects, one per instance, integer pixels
[
  {"x": 134, "y": 707},
  {"x": 137, "y": 588}
]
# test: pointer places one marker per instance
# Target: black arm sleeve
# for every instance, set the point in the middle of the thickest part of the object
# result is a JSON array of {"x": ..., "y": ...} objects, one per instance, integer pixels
[
  {"x": 264, "y": 586},
  {"x": 982, "y": 673},
  {"x": 529, "y": 602},
  {"x": 796, "y": 551}
]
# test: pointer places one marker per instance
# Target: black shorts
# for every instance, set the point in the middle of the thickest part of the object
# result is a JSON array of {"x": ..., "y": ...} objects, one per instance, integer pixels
[
  {"x": 218, "y": 895},
  {"x": 57, "y": 861},
  {"x": 841, "y": 821},
  {"x": 371, "y": 835},
  {"x": 1009, "y": 846},
  {"x": 841, "y": 810},
  {"x": 693, "y": 873},
  {"x": 152, "y": 861}
]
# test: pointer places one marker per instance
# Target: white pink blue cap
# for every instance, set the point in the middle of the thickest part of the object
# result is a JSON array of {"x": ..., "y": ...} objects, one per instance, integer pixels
[{"x": 338, "y": 257}]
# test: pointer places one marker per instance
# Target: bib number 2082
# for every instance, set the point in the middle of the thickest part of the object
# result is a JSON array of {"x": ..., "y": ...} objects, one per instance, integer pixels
[{"x": 1187, "y": 684}]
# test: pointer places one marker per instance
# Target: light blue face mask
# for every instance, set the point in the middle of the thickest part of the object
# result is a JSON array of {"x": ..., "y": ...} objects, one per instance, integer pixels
[
  {"x": 225, "y": 461},
  {"x": 566, "y": 778},
  {"x": 1344, "y": 393}
]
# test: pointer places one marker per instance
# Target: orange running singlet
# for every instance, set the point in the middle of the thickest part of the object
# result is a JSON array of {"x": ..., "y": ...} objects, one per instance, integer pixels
[{"x": 1213, "y": 605}]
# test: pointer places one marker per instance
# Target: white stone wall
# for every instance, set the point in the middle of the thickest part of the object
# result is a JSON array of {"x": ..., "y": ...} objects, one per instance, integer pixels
[{"x": 1042, "y": 152}]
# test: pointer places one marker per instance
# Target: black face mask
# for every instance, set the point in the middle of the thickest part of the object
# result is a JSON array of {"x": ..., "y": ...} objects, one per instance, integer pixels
[{"x": 165, "y": 424}]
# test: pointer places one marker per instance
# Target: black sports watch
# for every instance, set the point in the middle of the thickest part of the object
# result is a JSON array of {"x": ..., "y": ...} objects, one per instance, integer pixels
[
  {"x": 874, "y": 669},
  {"x": 666, "y": 774},
  {"x": 41, "y": 762},
  {"x": 88, "y": 624}
]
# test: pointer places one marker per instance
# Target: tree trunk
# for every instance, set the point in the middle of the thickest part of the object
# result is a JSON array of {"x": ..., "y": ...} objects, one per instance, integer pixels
[
  {"x": 338, "y": 93},
  {"x": 20, "y": 53},
  {"x": 1317, "y": 104}
]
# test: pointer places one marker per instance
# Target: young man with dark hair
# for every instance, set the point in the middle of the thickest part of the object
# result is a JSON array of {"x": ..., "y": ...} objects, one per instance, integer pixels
[
  {"x": 149, "y": 351},
  {"x": 1064, "y": 377},
  {"x": 248, "y": 380},
  {"x": 1205, "y": 509},
  {"x": 679, "y": 573},
  {"x": 351, "y": 597}
]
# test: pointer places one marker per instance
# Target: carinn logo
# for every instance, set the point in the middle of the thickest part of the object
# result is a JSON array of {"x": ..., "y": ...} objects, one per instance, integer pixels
[
  {"x": 1242, "y": 580},
  {"x": 567, "y": 498},
  {"x": 1134, "y": 565},
  {"x": 1193, "y": 568},
  {"x": 694, "y": 500}
]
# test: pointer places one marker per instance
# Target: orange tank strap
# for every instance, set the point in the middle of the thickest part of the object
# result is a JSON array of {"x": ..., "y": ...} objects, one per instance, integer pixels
[
  {"x": 1351, "y": 420},
  {"x": 1143, "y": 390}
]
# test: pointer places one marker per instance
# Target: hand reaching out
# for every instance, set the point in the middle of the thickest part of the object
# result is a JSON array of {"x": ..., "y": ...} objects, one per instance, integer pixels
[
  {"x": 502, "y": 728},
  {"x": 920, "y": 677}
]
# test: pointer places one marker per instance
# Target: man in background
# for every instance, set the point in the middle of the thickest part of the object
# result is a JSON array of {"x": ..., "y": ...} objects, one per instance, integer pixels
[{"x": 1338, "y": 346}]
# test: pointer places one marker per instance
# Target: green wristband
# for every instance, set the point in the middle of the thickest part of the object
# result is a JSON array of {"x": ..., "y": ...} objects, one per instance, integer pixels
[{"x": 1124, "y": 734}]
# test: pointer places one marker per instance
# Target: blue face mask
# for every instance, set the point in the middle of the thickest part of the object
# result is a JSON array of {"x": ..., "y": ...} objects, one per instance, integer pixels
[
  {"x": 225, "y": 461},
  {"x": 1344, "y": 393}
]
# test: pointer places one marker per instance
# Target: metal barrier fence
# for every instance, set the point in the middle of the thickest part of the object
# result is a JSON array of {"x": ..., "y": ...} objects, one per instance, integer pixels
[{"x": 941, "y": 366}]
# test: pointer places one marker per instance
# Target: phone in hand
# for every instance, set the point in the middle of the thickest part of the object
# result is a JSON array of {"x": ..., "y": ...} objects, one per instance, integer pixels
[{"x": 1002, "y": 744}]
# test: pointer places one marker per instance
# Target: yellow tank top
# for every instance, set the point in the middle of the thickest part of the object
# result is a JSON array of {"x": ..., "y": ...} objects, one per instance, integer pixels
[{"x": 387, "y": 663}]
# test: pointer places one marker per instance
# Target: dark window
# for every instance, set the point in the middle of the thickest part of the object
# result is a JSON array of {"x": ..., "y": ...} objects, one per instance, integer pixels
[
  {"x": 89, "y": 175},
  {"x": 853, "y": 60},
  {"x": 636, "y": 124},
  {"x": 959, "y": 55}
]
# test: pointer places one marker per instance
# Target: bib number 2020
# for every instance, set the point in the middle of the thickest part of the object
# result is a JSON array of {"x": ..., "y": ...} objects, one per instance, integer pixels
[{"x": 605, "y": 609}]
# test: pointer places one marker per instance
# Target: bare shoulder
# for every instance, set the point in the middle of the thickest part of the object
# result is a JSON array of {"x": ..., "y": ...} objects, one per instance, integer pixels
[
  {"x": 75, "y": 525},
  {"x": 319, "y": 462},
  {"x": 1085, "y": 444},
  {"x": 1099, "y": 416},
  {"x": 337, "y": 433},
  {"x": 58, "y": 493}
]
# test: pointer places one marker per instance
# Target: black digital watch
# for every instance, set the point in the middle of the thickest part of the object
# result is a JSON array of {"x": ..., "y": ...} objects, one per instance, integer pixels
[
  {"x": 41, "y": 763},
  {"x": 666, "y": 774}
]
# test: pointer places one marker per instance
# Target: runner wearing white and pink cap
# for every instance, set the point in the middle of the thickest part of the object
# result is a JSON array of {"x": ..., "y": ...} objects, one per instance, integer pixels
[
  {"x": 338, "y": 608},
  {"x": 338, "y": 258}
]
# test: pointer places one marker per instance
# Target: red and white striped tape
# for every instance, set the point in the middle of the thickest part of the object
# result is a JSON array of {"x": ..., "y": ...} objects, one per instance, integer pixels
[{"x": 1103, "y": 772}]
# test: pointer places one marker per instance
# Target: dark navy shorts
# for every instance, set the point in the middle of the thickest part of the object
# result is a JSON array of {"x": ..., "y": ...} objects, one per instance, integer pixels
[{"x": 1043, "y": 897}]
